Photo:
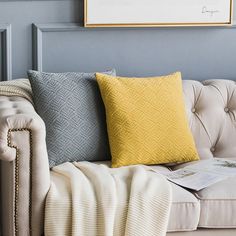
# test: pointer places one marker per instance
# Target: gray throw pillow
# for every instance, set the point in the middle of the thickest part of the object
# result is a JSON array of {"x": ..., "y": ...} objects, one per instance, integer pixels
[{"x": 71, "y": 106}]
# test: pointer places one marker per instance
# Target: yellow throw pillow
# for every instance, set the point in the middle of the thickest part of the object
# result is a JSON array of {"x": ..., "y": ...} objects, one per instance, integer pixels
[{"x": 146, "y": 120}]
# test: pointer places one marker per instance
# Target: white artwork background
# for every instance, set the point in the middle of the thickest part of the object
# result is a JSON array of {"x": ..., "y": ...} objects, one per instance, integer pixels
[{"x": 157, "y": 11}]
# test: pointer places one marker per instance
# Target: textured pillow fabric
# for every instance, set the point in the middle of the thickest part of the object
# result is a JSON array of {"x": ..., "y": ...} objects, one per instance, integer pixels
[
  {"x": 146, "y": 120},
  {"x": 71, "y": 106}
]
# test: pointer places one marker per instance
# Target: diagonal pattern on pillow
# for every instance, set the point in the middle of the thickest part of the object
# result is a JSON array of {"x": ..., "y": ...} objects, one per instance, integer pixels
[
  {"x": 71, "y": 106},
  {"x": 146, "y": 120}
]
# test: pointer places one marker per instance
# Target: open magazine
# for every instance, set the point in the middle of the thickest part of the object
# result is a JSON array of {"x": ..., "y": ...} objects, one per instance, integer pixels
[{"x": 203, "y": 173}]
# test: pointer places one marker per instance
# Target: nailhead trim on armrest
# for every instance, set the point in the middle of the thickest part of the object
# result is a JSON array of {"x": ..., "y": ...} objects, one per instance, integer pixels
[{"x": 9, "y": 143}]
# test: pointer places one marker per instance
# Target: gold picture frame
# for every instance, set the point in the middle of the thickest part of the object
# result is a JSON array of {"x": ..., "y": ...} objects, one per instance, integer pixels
[{"x": 88, "y": 24}]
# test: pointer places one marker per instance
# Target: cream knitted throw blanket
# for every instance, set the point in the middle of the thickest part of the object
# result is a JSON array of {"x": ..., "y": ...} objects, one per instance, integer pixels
[
  {"x": 19, "y": 87},
  {"x": 87, "y": 199}
]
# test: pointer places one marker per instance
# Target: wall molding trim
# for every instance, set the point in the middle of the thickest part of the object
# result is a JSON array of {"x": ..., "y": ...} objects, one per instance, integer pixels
[
  {"x": 6, "y": 45},
  {"x": 39, "y": 29}
]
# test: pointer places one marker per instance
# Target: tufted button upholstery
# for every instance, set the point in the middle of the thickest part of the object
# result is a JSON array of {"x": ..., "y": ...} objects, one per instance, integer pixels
[
  {"x": 226, "y": 109},
  {"x": 212, "y": 149},
  {"x": 211, "y": 111},
  {"x": 12, "y": 105},
  {"x": 15, "y": 112}
]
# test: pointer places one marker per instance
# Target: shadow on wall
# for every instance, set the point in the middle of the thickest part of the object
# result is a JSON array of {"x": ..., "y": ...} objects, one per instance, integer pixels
[
  {"x": 77, "y": 9},
  {"x": 234, "y": 11}
]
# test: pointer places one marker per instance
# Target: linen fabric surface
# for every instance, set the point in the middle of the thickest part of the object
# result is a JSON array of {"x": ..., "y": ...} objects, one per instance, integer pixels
[
  {"x": 71, "y": 106},
  {"x": 93, "y": 199},
  {"x": 146, "y": 120}
]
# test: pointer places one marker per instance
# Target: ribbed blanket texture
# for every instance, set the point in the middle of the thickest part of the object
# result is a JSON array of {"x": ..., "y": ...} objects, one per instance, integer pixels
[
  {"x": 88, "y": 199},
  {"x": 18, "y": 87}
]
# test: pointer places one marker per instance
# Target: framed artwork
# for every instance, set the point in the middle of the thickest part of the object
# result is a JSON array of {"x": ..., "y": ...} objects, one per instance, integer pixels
[{"x": 157, "y": 13}]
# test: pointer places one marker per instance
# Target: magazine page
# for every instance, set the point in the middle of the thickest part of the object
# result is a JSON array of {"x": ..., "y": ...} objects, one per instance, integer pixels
[
  {"x": 193, "y": 179},
  {"x": 217, "y": 165},
  {"x": 203, "y": 173}
]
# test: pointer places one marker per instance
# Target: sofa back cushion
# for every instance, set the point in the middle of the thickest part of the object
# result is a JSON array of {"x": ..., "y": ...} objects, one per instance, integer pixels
[
  {"x": 211, "y": 111},
  {"x": 72, "y": 109}
]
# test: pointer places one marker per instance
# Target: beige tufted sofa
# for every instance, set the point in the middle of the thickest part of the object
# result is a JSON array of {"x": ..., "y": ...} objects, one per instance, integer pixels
[{"x": 25, "y": 175}]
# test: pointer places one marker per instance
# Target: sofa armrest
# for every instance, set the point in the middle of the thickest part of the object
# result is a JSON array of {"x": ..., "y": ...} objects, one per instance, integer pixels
[{"x": 25, "y": 178}]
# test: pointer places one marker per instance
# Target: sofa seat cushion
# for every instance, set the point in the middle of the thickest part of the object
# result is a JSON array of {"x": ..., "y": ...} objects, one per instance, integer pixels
[
  {"x": 218, "y": 205},
  {"x": 185, "y": 208}
]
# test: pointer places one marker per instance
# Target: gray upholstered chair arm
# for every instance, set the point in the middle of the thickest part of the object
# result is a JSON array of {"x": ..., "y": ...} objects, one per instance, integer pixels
[{"x": 25, "y": 178}]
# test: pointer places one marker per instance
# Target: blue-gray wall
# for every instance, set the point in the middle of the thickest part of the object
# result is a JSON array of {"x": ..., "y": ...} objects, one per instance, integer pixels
[{"x": 200, "y": 53}]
